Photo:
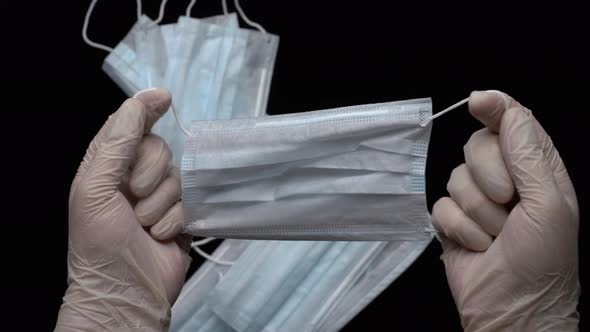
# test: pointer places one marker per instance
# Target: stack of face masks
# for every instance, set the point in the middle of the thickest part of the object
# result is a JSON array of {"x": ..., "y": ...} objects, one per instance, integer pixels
[
  {"x": 289, "y": 285},
  {"x": 215, "y": 70}
]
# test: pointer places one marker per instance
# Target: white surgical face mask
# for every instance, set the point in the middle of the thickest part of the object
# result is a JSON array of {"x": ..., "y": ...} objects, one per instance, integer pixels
[{"x": 354, "y": 173}]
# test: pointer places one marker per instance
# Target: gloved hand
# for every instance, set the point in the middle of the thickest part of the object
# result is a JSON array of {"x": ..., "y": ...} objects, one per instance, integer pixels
[
  {"x": 510, "y": 269},
  {"x": 126, "y": 259}
]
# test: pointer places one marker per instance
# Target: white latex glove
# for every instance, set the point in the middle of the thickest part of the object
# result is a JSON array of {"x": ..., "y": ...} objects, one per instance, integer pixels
[
  {"x": 125, "y": 262},
  {"x": 510, "y": 269}
]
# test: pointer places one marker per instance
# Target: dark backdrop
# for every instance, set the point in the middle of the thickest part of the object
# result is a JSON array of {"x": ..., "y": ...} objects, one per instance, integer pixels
[{"x": 331, "y": 54}]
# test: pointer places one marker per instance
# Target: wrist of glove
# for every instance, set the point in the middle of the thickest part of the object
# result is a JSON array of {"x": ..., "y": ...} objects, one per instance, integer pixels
[
  {"x": 523, "y": 311},
  {"x": 116, "y": 305}
]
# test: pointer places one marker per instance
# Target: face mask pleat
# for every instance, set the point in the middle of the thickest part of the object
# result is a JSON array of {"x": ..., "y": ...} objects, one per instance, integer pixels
[
  {"x": 390, "y": 218},
  {"x": 308, "y": 181},
  {"x": 361, "y": 159}
]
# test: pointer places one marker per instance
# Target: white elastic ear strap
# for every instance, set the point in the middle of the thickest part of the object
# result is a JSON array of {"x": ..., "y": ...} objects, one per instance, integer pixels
[
  {"x": 192, "y": 3},
  {"x": 186, "y": 132},
  {"x": 224, "y": 6},
  {"x": 195, "y": 245},
  {"x": 189, "y": 8},
  {"x": 108, "y": 48},
  {"x": 246, "y": 19},
  {"x": 161, "y": 12},
  {"x": 138, "y": 2},
  {"x": 85, "y": 27},
  {"x": 445, "y": 111}
]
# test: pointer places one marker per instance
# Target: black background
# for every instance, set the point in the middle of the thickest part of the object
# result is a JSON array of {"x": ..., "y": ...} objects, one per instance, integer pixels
[{"x": 331, "y": 54}]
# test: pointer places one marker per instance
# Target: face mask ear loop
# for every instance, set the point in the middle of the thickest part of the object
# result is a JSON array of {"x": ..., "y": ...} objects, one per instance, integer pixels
[
  {"x": 195, "y": 245},
  {"x": 138, "y": 9},
  {"x": 203, "y": 241},
  {"x": 189, "y": 8},
  {"x": 160, "y": 13},
  {"x": 445, "y": 111},
  {"x": 87, "y": 19},
  {"x": 85, "y": 29},
  {"x": 246, "y": 19},
  {"x": 224, "y": 7},
  {"x": 186, "y": 132},
  {"x": 192, "y": 3}
]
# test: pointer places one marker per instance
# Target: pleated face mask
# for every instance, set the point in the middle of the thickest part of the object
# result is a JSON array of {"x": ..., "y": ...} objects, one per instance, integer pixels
[
  {"x": 212, "y": 68},
  {"x": 354, "y": 173}
]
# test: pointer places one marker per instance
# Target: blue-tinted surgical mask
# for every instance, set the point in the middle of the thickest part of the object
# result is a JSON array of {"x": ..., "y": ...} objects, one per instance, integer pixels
[{"x": 210, "y": 66}]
